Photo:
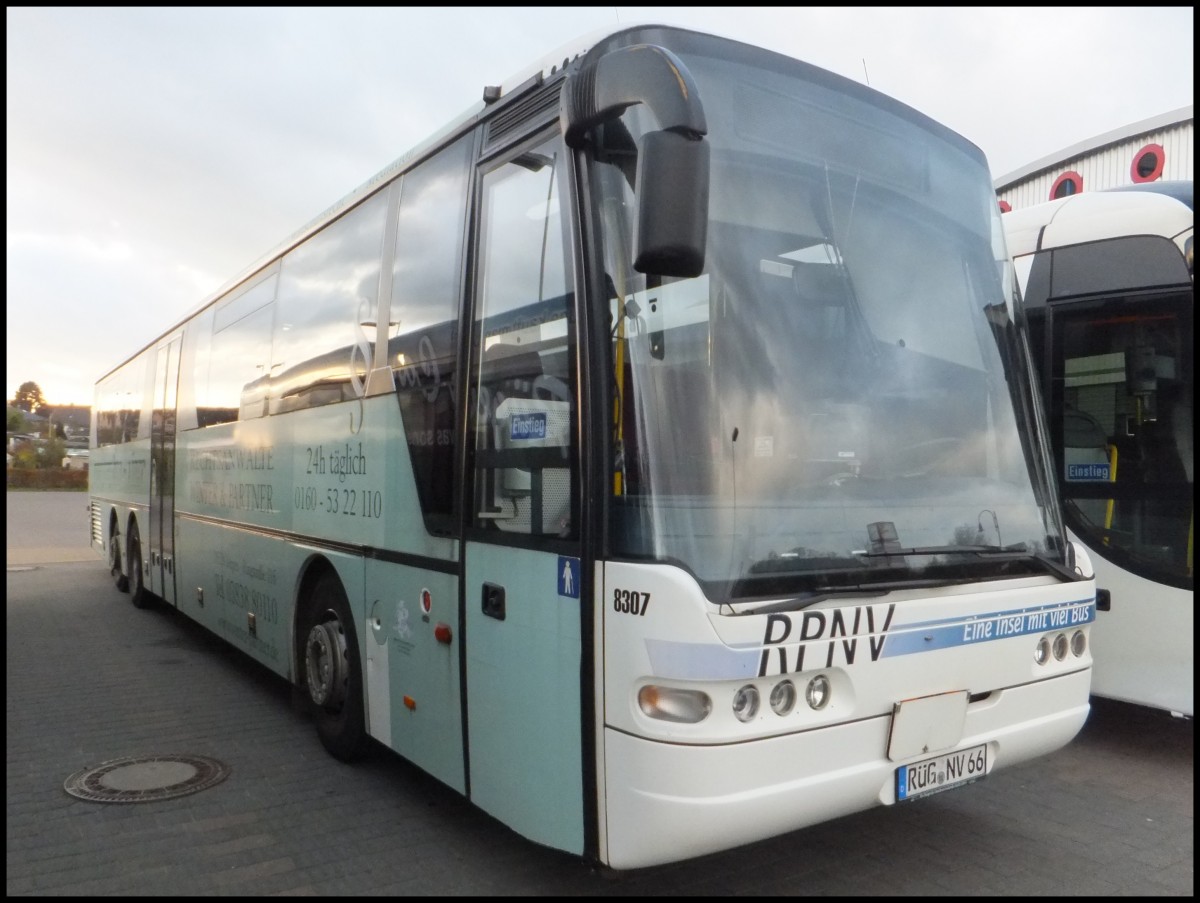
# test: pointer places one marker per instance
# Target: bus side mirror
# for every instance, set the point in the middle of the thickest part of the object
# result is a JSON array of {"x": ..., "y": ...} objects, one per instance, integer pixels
[{"x": 671, "y": 227}]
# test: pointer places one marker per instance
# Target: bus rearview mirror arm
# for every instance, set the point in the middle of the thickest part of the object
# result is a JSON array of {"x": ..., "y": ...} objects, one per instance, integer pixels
[{"x": 671, "y": 223}]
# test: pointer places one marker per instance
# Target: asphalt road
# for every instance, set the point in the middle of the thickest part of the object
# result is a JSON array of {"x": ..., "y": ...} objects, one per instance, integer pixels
[{"x": 90, "y": 679}]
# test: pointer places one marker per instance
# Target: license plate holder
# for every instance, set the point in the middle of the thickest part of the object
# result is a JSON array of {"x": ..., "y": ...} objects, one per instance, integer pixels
[{"x": 938, "y": 773}]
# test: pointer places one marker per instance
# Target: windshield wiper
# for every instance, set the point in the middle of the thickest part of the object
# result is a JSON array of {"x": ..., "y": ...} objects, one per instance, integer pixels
[
  {"x": 793, "y": 562},
  {"x": 983, "y": 550},
  {"x": 811, "y": 597},
  {"x": 807, "y": 580},
  {"x": 1017, "y": 552}
]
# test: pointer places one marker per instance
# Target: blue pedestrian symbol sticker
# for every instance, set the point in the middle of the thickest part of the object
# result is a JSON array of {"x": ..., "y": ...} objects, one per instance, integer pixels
[{"x": 568, "y": 577}]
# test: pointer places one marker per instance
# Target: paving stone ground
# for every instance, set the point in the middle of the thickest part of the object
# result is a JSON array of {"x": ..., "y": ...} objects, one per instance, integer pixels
[{"x": 91, "y": 679}]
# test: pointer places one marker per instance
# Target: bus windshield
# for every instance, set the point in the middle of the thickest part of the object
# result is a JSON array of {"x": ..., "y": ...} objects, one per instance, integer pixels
[{"x": 842, "y": 397}]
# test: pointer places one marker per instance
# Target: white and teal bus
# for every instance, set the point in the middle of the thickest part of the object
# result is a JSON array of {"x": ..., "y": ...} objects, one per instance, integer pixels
[
  {"x": 1108, "y": 287},
  {"x": 654, "y": 457}
]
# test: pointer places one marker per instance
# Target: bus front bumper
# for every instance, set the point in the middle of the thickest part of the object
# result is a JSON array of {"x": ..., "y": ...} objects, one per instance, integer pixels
[{"x": 666, "y": 802}]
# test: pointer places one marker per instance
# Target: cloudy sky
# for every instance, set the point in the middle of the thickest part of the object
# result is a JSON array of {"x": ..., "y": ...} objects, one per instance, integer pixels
[{"x": 155, "y": 153}]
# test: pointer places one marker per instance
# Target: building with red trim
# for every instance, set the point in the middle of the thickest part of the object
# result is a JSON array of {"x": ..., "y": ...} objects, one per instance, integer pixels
[{"x": 1146, "y": 151}]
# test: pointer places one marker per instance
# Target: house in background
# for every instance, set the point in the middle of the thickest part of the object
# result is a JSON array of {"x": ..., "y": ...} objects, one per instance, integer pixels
[
  {"x": 1159, "y": 148},
  {"x": 76, "y": 422}
]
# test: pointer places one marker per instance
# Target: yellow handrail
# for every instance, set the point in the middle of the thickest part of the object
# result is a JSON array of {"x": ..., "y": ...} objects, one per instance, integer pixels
[{"x": 613, "y": 221}]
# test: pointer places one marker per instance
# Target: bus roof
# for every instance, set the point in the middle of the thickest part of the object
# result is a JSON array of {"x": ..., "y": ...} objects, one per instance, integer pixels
[{"x": 1096, "y": 215}]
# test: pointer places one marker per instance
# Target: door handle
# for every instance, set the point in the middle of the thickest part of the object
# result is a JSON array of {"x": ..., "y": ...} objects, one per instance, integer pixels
[{"x": 493, "y": 601}]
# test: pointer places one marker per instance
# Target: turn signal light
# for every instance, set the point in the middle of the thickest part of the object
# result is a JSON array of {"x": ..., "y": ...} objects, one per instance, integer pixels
[{"x": 674, "y": 704}]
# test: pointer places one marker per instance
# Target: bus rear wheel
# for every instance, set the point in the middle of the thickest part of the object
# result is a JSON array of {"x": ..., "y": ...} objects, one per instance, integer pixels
[
  {"x": 137, "y": 586},
  {"x": 332, "y": 674},
  {"x": 114, "y": 563}
]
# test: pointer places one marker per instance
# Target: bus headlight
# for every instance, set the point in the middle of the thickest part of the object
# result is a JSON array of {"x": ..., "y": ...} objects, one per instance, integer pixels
[
  {"x": 1078, "y": 642},
  {"x": 783, "y": 697},
  {"x": 674, "y": 704},
  {"x": 745, "y": 702},
  {"x": 1060, "y": 646},
  {"x": 1042, "y": 653},
  {"x": 816, "y": 694}
]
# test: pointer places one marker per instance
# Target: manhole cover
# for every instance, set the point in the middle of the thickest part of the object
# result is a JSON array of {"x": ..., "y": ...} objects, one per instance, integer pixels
[{"x": 146, "y": 779}]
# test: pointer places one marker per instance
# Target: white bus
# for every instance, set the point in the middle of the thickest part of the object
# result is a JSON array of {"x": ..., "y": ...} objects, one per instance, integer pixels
[
  {"x": 1108, "y": 287},
  {"x": 653, "y": 457}
]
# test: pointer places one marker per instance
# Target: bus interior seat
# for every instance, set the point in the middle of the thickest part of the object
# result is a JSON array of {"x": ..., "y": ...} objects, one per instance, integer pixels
[
  {"x": 510, "y": 370},
  {"x": 521, "y": 392},
  {"x": 1083, "y": 431}
]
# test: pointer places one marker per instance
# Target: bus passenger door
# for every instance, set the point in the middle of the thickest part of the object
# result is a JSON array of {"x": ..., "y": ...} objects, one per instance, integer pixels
[
  {"x": 159, "y": 549},
  {"x": 521, "y": 552}
]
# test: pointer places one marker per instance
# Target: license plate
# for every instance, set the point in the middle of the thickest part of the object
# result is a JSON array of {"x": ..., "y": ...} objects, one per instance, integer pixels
[{"x": 940, "y": 773}]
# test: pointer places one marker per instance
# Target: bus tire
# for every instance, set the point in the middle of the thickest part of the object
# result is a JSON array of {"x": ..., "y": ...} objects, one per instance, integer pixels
[
  {"x": 137, "y": 584},
  {"x": 331, "y": 671},
  {"x": 114, "y": 563}
]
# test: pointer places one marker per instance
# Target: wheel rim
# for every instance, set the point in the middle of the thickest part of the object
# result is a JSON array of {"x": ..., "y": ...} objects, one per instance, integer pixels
[{"x": 325, "y": 658}]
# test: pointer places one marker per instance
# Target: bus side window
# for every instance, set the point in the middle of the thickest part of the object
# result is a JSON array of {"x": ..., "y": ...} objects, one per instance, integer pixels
[
  {"x": 525, "y": 459},
  {"x": 424, "y": 309},
  {"x": 525, "y": 418}
]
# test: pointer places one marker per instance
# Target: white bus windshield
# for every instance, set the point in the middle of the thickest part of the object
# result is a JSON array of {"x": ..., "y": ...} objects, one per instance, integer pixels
[{"x": 840, "y": 398}]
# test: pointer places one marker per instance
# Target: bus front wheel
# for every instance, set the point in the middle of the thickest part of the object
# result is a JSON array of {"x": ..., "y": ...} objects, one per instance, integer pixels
[{"x": 332, "y": 674}]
